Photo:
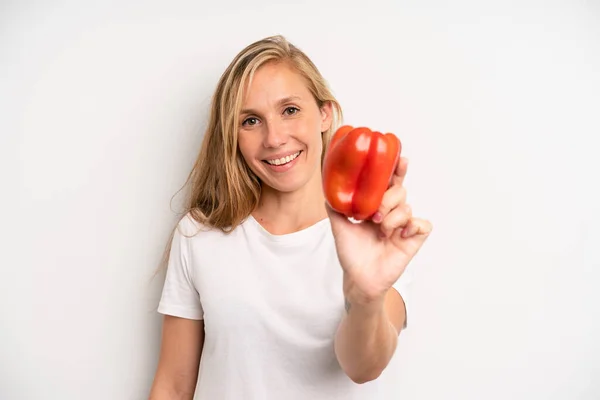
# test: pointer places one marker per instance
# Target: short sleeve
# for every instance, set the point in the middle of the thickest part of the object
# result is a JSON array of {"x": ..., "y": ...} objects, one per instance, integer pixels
[
  {"x": 180, "y": 297},
  {"x": 403, "y": 286}
]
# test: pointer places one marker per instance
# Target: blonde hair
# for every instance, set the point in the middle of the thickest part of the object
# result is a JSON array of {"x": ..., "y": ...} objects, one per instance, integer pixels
[{"x": 223, "y": 189}]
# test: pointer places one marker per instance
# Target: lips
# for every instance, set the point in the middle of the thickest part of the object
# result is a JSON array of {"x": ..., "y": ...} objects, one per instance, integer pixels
[{"x": 283, "y": 159}]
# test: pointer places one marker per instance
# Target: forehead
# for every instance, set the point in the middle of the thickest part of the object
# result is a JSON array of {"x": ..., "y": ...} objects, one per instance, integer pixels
[{"x": 273, "y": 81}]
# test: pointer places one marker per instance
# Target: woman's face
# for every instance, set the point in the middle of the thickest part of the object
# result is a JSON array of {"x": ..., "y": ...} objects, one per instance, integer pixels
[{"x": 280, "y": 128}]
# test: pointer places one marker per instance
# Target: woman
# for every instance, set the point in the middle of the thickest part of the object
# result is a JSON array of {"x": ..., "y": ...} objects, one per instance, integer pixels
[{"x": 269, "y": 294}]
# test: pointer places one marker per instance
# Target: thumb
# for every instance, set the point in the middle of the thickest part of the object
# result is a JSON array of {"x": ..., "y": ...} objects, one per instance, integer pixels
[{"x": 338, "y": 221}]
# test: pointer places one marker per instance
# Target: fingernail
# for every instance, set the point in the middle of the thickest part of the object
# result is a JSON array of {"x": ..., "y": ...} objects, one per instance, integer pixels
[{"x": 377, "y": 217}]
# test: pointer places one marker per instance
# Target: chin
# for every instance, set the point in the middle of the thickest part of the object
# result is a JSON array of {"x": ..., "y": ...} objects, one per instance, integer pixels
[{"x": 287, "y": 187}]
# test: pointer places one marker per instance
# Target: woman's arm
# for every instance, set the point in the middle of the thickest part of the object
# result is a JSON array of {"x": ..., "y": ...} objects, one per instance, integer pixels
[
  {"x": 367, "y": 336},
  {"x": 181, "y": 349}
]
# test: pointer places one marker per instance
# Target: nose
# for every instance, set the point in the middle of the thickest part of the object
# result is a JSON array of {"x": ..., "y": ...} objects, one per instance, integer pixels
[{"x": 275, "y": 135}]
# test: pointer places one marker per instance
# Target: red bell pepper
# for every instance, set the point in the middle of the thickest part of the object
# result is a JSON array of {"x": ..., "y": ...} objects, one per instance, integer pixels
[{"x": 357, "y": 170}]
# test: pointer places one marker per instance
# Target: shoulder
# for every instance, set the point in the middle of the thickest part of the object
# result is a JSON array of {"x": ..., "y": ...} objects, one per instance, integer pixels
[{"x": 191, "y": 228}]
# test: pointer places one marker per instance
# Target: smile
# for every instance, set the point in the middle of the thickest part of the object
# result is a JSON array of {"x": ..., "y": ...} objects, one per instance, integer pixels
[{"x": 284, "y": 160}]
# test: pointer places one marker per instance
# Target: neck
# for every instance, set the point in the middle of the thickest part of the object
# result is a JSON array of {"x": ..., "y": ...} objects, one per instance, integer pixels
[{"x": 282, "y": 213}]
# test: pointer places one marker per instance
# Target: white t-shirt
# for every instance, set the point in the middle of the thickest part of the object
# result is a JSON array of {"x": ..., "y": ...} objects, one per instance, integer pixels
[{"x": 271, "y": 305}]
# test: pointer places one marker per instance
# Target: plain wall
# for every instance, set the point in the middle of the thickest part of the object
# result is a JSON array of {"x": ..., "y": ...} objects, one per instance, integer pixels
[{"x": 497, "y": 104}]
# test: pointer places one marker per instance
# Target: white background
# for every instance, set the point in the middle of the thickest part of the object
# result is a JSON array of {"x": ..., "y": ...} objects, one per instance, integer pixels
[{"x": 102, "y": 108}]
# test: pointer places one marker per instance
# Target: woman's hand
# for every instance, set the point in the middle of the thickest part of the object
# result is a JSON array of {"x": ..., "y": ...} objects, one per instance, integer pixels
[{"x": 374, "y": 253}]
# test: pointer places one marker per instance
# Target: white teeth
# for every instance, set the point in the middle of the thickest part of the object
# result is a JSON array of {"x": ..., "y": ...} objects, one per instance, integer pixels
[{"x": 283, "y": 160}]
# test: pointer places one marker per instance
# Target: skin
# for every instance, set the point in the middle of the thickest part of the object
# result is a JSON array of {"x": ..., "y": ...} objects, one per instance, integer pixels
[
  {"x": 181, "y": 349},
  {"x": 270, "y": 125},
  {"x": 373, "y": 255},
  {"x": 280, "y": 116}
]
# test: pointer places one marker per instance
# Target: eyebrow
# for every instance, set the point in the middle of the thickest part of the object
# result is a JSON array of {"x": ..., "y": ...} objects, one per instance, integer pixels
[{"x": 279, "y": 103}]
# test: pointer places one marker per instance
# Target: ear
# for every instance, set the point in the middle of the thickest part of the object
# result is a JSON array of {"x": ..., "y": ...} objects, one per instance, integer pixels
[{"x": 326, "y": 116}]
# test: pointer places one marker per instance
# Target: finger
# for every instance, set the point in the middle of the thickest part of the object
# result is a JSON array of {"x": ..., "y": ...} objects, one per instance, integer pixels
[
  {"x": 400, "y": 171},
  {"x": 417, "y": 226},
  {"x": 392, "y": 198},
  {"x": 398, "y": 218}
]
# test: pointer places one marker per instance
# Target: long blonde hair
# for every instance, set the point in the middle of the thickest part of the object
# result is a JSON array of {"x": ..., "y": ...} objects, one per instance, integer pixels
[{"x": 223, "y": 189}]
